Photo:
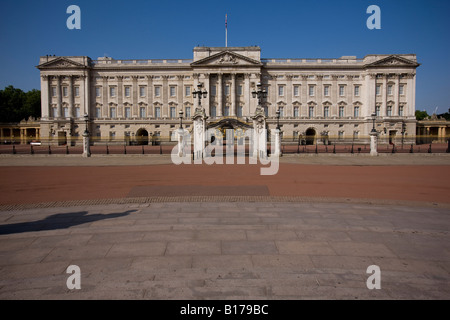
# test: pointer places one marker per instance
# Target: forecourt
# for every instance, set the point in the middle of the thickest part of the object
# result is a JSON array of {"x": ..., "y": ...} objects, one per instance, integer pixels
[{"x": 140, "y": 231}]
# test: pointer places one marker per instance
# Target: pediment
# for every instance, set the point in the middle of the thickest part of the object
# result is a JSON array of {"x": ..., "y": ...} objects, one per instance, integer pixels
[
  {"x": 393, "y": 61},
  {"x": 62, "y": 63},
  {"x": 226, "y": 59}
]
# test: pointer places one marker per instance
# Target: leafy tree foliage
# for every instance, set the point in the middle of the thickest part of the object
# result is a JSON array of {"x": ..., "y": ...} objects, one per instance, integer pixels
[
  {"x": 420, "y": 115},
  {"x": 446, "y": 115},
  {"x": 16, "y": 105}
]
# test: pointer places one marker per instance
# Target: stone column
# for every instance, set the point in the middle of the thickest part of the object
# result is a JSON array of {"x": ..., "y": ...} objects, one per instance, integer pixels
[
  {"x": 273, "y": 96},
  {"x": 233, "y": 95},
  {"x": 134, "y": 95},
  {"x": 373, "y": 143},
  {"x": 370, "y": 96},
  {"x": 165, "y": 97},
  {"x": 86, "y": 144},
  {"x": 71, "y": 96},
  {"x": 45, "y": 94},
  {"x": 219, "y": 95},
  {"x": 150, "y": 95},
  {"x": 206, "y": 101},
  {"x": 58, "y": 97},
  {"x": 104, "y": 112},
  {"x": 304, "y": 96},
  {"x": 180, "y": 94},
  {"x": 247, "y": 95},
  {"x": 119, "y": 111},
  {"x": 410, "y": 95},
  {"x": 289, "y": 109},
  {"x": 383, "y": 111}
]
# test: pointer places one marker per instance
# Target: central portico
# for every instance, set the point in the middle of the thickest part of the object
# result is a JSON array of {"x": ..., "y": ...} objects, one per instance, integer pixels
[{"x": 229, "y": 73}]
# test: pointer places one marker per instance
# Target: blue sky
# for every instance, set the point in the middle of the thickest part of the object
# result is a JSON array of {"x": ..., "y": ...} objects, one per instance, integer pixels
[{"x": 283, "y": 29}]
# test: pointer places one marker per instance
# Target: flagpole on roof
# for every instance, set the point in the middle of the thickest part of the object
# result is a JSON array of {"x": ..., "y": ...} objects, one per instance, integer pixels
[{"x": 226, "y": 30}]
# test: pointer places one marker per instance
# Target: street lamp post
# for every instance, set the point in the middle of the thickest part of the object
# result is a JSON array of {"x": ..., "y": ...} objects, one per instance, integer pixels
[
  {"x": 86, "y": 134},
  {"x": 181, "y": 119},
  {"x": 403, "y": 131},
  {"x": 278, "y": 119},
  {"x": 260, "y": 93},
  {"x": 200, "y": 94},
  {"x": 374, "y": 116}
]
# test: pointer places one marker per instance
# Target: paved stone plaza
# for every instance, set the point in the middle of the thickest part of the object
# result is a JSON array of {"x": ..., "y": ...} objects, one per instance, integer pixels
[
  {"x": 228, "y": 247},
  {"x": 226, "y": 250}
]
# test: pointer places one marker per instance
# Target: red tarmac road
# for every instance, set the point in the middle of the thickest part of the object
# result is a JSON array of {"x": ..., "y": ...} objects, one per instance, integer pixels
[{"x": 25, "y": 185}]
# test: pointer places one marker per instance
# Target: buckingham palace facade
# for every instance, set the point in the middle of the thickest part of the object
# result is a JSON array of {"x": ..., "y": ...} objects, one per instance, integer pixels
[{"x": 133, "y": 101}]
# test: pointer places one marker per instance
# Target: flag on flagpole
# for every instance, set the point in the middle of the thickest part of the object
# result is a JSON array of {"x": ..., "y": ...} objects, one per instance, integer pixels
[{"x": 226, "y": 18}]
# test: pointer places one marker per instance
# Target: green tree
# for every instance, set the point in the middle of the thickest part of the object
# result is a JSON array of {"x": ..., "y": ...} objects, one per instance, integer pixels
[
  {"x": 16, "y": 105},
  {"x": 446, "y": 115},
  {"x": 420, "y": 115}
]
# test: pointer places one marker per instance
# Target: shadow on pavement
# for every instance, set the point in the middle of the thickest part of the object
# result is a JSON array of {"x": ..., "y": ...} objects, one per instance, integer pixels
[{"x": 59, "y": 221}]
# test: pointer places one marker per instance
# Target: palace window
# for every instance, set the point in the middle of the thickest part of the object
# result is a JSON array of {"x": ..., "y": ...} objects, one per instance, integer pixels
[
  {"x": 389, "y": 89},
  {"x": 226, "y": 111},
  {"x": 389, "y": 111},
  {"x": 157, "y": 112},
  {"x": 173, "y": 112},
  {"x": 65, "y": 91},
  {"x": 53, "y": 91},
  {"x": 78, "y": 112},
  {"x": 188, "y": 112},
  {"x": 326, "y": 111},
  {"x": 213, "y": 111},
  {"x": 127, "y": 91},
  {"x": 142, "y": 91},
  {"x": 400, "y": 111},
  {"x": 173, "y": 92},
  {"x": 112, "y": 112},
  {"x": 98, "y": 92},
  {"x": 77, "y": 91},
  {"x": 311, "y": 91},
  {"x": 142, "y": 112},
  {"x": 296, "y": 91},
  {"x": 127, "y": 112},
  {"x": 239, "y": 111},
  {"x": 356, "y": 112},
  {"x": 157, "y": 91},
  {"x": 401, "y": 89},
  {"x": 187, "y": 91},
  {"x": 341, "y": 111},
  {"x": 356, "y": 91},
  {"x": 311, "y": 112},
  {"x": 341, "y": 90},
  {"x": 239, "y": 90},
  {"x": 98, "y": 113},
  {"x": 112, "y": 91},
  {"x": 213, "y": 90},
  {"x": 326, "y": 91},
  {"x": 281, "y": 91},
  {"x": 377, "y": 111},
  {"x": 281, "y": 109},
  {"x": 227, "y": 90},
  {"x": 378, "y": 90},
  {"x": 66, "y": 112},
  {"x": 296, "y": 112}
]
